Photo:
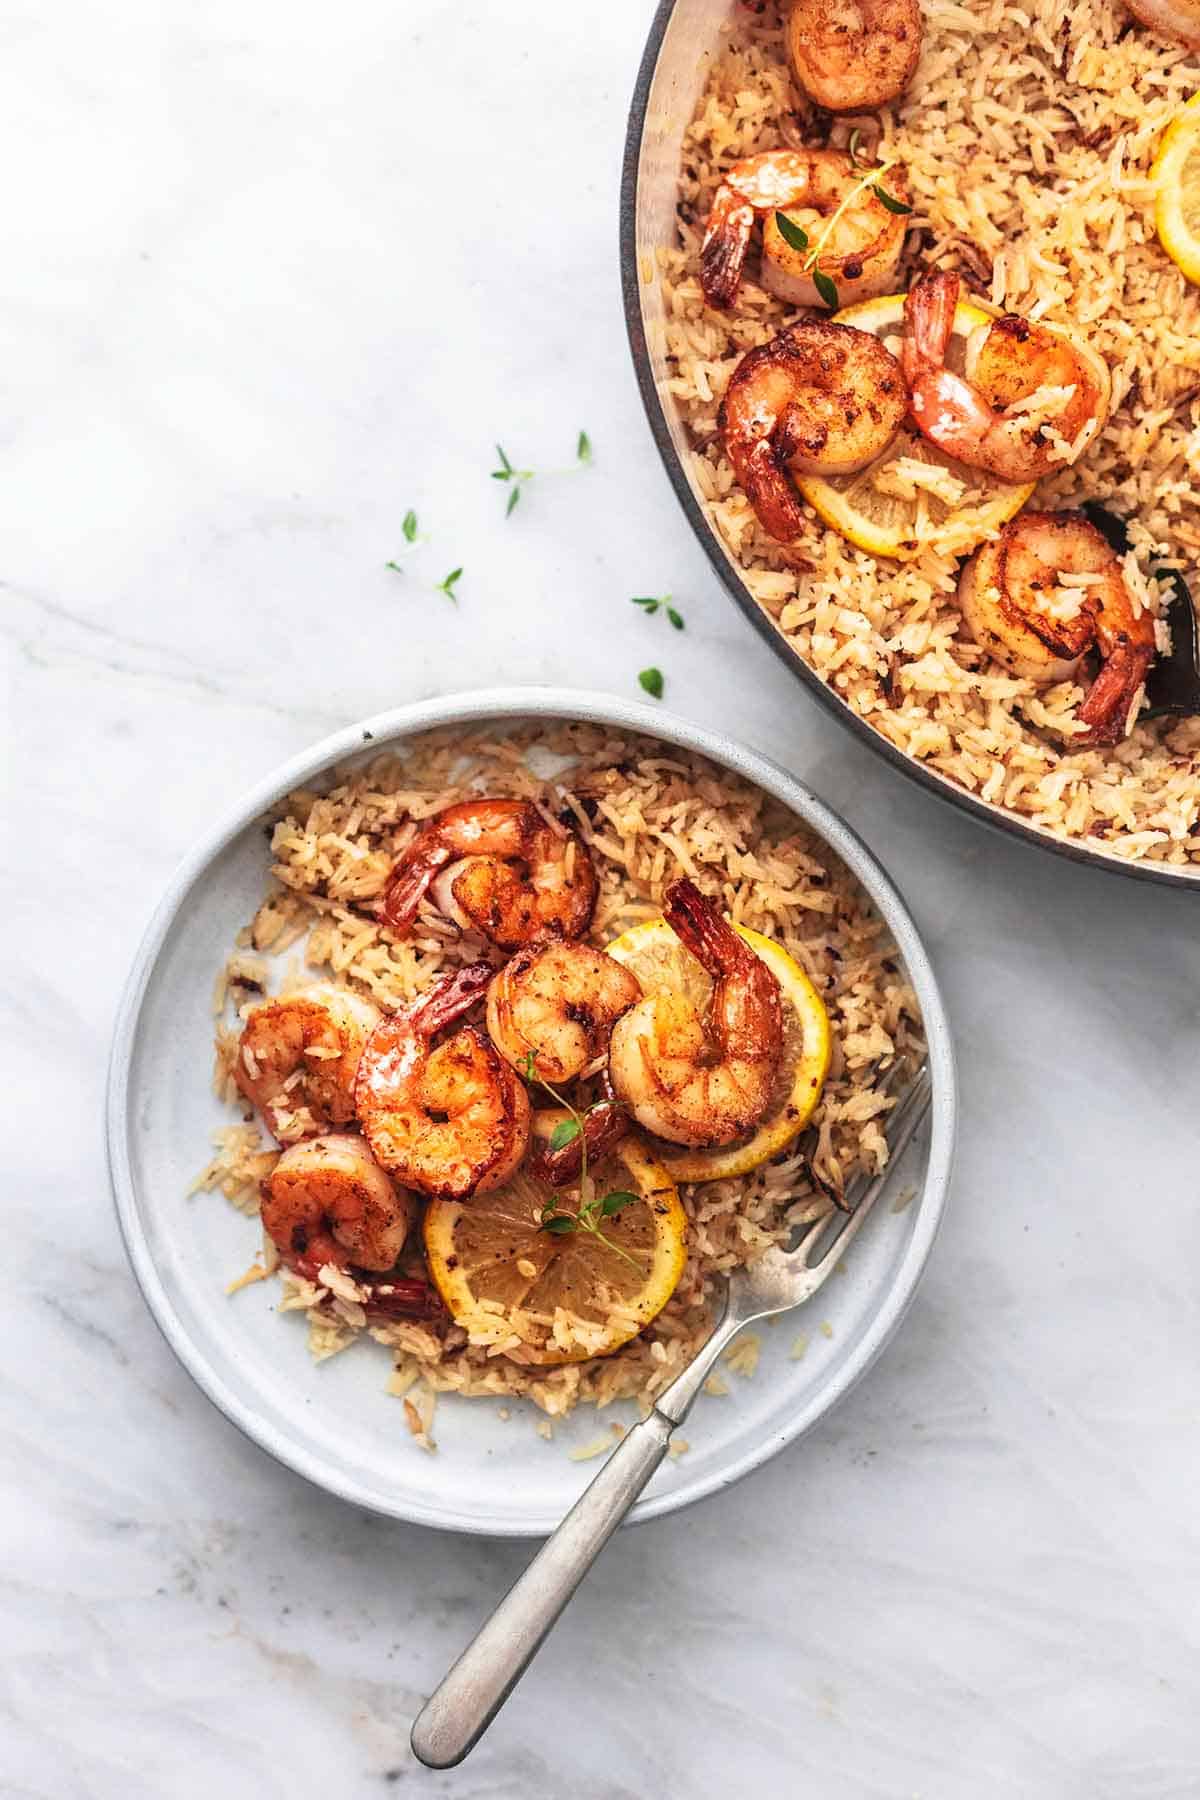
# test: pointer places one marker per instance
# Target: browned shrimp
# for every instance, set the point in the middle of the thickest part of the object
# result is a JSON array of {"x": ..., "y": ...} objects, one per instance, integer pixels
[
  {"x": 859, "y": 248},
  {"x": 701, "y": 1081},
  {"x": 328, "y": 1201},
  {"x": 854, "y": 55},
  {"x": 1018, "y": 607},
  {"x": 298, "y": 1057},
  {"x": 1031, "y": 399},
  {"x": 1178, "y": 20},
  {"x": 557, "y": 1002},
  {"x": 498, "y": 867},
  {"x": 821, "y": 399},
  {"x": 450, "y": 1120}
]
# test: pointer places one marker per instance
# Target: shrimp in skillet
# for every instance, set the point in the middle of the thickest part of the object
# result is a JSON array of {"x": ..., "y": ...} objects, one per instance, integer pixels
[
  {"x": 701, "y": 1081},
  {"x": 558, "y": 1002},
  {"x": 449, "y": 1119},
  {"x": 1178, "y": 20},
  {"x": 854, "y": 55},
  {"x": 498, "y": 867},
  {"x": 859, "y": 254},
  {"x": 328, "y": 1201},
  {"x": 1031, "y": 399},
  {"x": 298, "y": 1057},
  {"x": 1017, "y": 608},
  {"x": 822, "y": 399}
]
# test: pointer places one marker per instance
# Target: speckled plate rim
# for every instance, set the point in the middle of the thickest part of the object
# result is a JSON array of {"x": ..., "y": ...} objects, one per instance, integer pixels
[
  {"x": 511, "y": 704},
  {"x": 984, "y": 811}
]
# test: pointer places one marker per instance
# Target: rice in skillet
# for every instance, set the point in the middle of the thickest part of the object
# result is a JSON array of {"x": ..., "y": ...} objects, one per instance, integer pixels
[
  {"x": 1026, "y": 137},
  {"x": 648, "y": 813}
]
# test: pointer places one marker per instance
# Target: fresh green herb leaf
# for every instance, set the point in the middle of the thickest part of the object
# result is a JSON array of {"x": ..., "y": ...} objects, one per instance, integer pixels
[
  {"x": 676, "y": 618},
  {"x": 447, "y": 587},
  {"x": 825, "y": 288},
  {"x": 409, "y": 527},
  {"x": 505, "y": 471},
  {"x": 790, "y": 232},
  {"x": 530, "y": 1069},
  {"x": 512, "y": 501},
  {"x": 565, "y": 1132},
  {"x": 616, "y": 1202},
  {"x": 583, "y": 449},
  {"x": 651, "y": 606},
  {"x": 652, "y": 681},
  {"x": 395, "y": 568},
  {"x": 889, "y": 200},
  {"x": 561, "y": 1223}
]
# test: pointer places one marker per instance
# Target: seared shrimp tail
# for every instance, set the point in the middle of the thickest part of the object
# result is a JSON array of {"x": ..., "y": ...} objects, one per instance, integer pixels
[
  {"x": 604, "y": 1125},
  {"x": 451, "y": 997},
  {"x": 701, "y": 929},
  {"x": 723, "y": 252},
  {"x": 1107, "y": 704},
  {"x": 929, "y": 309},
  {"x": 409, "y": 883}
]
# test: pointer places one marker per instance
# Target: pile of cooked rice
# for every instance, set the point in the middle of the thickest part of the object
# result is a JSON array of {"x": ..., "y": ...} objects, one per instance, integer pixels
[
  {"x": 647, "y": 813},
  {"x": 1027, "y": 136}
]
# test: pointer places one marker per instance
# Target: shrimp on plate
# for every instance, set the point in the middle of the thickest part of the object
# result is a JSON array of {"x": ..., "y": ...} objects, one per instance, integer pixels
[
  {"x": 450, "y": 1119},
  {"x": 701, "y": 1081},
  {"x": 1175, "y": 19},
  {"x": 298, "y": 1058},
  {"x": 859, "y": 249},
  {"x": 854, "y": 55},
  {"x": 328, "y": 1201},
  {"x": 498, "y": 867},
  {"x": 558, "y": 1003},
  {"x": 821, "y": 399},
  {"x": 1029, "y": 402},
  {"x": 1017, "y": 608}
]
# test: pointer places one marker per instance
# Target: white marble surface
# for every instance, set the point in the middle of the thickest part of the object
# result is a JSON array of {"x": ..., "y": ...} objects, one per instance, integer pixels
[{"x": 274, "y": 273}]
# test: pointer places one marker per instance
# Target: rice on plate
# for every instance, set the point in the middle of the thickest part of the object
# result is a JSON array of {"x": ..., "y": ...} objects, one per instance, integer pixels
[
  {"x": 647, "y": 815},
  {"x": 1024, "y": 145}
]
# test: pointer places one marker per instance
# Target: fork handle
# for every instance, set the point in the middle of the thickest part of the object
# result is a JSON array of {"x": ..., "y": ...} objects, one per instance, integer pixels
[{"x": 459, "y": 1711}]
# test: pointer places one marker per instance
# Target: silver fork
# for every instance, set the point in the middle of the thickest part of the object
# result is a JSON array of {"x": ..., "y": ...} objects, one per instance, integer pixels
[{"x": 460, "y": 1710}]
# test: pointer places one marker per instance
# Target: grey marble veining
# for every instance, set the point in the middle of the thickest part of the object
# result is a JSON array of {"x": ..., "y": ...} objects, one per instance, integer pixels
[{"x": 273, "y": 275}]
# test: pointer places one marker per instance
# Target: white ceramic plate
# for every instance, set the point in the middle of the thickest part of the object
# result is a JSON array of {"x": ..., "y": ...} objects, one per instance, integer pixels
[{"x": 334, "y": 1422}]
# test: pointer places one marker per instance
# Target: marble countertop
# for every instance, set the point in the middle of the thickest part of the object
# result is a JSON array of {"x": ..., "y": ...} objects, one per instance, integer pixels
[{"x": 272, "y": 277}]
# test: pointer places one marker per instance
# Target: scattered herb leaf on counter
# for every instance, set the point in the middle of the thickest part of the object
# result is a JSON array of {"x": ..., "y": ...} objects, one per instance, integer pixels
[
  {"x": 518, "y": 477},
  {"x": 650, "y": 605},
  {"x": 447, "y": 587},
  {"x": 652, "y": 681},
  {"x": 583, "y": 450},
  {"x": 409, "y": 527}
]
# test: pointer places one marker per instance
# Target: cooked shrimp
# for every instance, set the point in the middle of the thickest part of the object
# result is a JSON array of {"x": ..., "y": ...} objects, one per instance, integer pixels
[
  {"x": 328, "y": 1201},
  {"x": 1175, "y": 19},
  {"x": 559, "y": 1003},
  {"x": 854, "y": 55},
  {"x": 859, "y": 252},
  {"x": 701, "y": 1081},
  {"x": 451, "y": 1120},
  {"x": 498, "y": 867},
  {"x": 605, "y": 1123},
  {"x": 1017, "y": 609},
  {"x": 983, "y": 418},
  {"x": 298, "y": 1057},
  {"x": 820, "y": 398}
]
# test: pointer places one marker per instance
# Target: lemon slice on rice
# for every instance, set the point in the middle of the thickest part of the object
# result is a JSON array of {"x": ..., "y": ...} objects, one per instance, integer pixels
[
  {"x": 1176, "y": 170},
  {"x": 560, "y": 1296},
  {"x": 659, "y": 960},
  {"x": 914, "y": 498}
]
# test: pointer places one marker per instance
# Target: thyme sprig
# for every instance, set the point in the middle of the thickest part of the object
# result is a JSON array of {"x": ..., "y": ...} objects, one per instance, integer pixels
[
  {"x": 650, "y": 605},
  {"x": 798, "y": 239},
  {"x": 593, "y": 1207},
  {"x": 518, "y": 479}
]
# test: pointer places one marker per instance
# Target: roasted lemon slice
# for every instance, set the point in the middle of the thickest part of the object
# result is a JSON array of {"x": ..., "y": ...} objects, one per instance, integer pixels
[
  {"x": 1176, "y": 170},
  {"x": 914, "y": 498},
  {"x": 560, "y": 1294},
  {"x": 659, "y": 960}
]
